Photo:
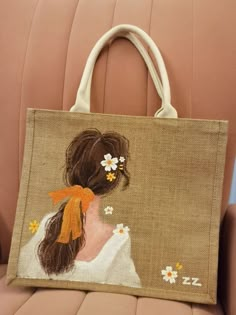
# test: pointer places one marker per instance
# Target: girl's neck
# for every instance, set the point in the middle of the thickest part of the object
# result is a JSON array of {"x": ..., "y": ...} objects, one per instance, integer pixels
[
  {"x": 92, "y": 214},
  {"x": 97, "y": 233}
]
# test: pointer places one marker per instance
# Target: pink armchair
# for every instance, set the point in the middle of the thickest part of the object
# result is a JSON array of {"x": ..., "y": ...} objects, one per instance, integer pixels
[{"x": 44, "y": 46}]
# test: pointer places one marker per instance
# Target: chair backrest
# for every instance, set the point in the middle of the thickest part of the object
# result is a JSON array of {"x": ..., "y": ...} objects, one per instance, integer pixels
[{"x": 44, "y": 46}]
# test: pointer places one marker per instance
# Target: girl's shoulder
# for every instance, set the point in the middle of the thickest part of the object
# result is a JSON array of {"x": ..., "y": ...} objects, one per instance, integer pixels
[{"x": 114, "y": 245}]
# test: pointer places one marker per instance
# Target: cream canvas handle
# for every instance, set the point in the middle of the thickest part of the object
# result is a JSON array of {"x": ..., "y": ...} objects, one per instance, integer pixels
[
  {"x": 83, "y": 95},
  {"x": 143, "y": 52},
  {"x": 136, "y": 42},
  {"x": 147, "y": 59}
]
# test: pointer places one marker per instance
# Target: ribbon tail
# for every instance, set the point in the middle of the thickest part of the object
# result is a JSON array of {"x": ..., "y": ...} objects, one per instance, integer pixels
[
  {"x": 64, "y": 236},
  {"x": 71, "y": 222},
  {"x": 76, "y": 223}
]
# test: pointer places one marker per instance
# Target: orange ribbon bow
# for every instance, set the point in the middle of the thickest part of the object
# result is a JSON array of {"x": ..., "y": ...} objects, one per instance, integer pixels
[{"x": 79, "y": 201}]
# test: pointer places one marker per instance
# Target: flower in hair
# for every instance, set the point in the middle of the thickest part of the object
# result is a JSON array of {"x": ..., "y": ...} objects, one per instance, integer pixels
[
  {"x": 121, "y": 159},
  {"x": 109, "y": 163},
  {"x": 111, "y": 176}
]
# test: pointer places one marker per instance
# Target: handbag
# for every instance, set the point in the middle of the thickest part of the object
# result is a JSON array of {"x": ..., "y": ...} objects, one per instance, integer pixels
[{"x": 123, "y": 204}]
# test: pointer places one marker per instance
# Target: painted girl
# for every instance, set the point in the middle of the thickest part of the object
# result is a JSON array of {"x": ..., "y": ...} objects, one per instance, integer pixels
[{"x": 73, "y": 243}]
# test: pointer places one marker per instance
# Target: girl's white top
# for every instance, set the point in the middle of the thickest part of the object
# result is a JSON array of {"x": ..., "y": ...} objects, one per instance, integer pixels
[{"x": 113, "y": 264}]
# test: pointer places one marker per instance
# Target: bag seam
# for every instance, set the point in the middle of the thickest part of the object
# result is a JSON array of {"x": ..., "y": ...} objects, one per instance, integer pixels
[
  {"x": 147, "y": 79},
  {"x": 213, "y": 194},
  {"x": 26, "y": 197}
]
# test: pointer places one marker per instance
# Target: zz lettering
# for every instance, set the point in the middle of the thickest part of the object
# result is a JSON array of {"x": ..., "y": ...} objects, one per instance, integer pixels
[
  {"x": 187, "y": 281},
  {"x": 195, "y": 282}
]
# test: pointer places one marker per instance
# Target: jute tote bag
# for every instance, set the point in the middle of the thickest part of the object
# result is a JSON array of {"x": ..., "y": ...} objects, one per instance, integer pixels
[{"x": 120, "y": 203}]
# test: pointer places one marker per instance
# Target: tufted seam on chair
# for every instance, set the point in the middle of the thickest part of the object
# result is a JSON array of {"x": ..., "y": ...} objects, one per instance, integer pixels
[
  {"x": 79, "y": 306},
  {"x": 25, "y": 310},
  {"x": 107, "y": 59},
  {"x": 136, "y": 308},
  {"x": 203, "y": 309},
  {"x": 25, "y": 302},
  {"x": 101, "y": 302},
  {"x": 22, "y": 80},
  {"x": 149, "y": 31},
  {"x": 193, "y": 62},
  {"x": 66, "y": 58}
]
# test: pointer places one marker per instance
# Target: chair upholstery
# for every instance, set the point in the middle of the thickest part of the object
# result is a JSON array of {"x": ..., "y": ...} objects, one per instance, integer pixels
[
  {"x": 44, "y": 46},
  {"x": 60, "y": 302}
]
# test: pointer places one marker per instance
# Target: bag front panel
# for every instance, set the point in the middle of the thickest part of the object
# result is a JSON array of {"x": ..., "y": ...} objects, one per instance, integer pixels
[{"x": 158, "y": 236}]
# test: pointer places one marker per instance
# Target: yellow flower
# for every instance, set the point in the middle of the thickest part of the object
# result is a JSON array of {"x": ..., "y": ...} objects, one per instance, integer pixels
[
  {"x": 111, "y": 176},
  {"x": 33, "y": 226},
  {"x": 179, "y": 266}
]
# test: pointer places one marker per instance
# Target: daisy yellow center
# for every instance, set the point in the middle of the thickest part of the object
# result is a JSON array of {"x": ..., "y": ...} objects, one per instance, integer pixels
[
  {"x": 169, "y": 274},
  {"x": 121, "y": 231},
  {"x": 109, "y": 162}
]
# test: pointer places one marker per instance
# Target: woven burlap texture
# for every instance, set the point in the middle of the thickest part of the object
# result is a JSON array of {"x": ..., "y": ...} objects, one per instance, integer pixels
[{"x": 172, "y": 205}]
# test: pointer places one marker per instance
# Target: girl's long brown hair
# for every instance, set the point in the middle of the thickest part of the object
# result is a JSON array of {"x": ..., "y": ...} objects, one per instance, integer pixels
[{"x": 83, "y": 167}]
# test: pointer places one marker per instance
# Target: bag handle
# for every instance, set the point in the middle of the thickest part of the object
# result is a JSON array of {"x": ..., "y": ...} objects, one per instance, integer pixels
[
  {"x": 83, "y": 95},
  {"x": 143, "y": 52},
  {"x": 136, "y": 42},
  {"x": 148, "y": 61}
]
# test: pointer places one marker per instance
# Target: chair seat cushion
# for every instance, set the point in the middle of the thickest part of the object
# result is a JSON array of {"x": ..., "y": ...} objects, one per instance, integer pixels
[{"x": 25, "y": 301}]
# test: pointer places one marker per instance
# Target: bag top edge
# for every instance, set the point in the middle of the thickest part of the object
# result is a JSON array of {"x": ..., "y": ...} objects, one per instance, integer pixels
[{"x": 129, "y": 116}]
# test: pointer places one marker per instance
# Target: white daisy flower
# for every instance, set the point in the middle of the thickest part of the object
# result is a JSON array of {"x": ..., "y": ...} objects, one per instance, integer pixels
[
  {"x": 108, "y": 210},
  {"x": 121, "y": 229},
  {"x": 109, "y": 163},
  {"x": 169, "y": 275},
  {"x": 122, "y": 159}
]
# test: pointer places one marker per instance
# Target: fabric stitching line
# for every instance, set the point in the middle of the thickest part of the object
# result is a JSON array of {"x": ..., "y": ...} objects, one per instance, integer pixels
[
  {"x": 105, "y": 83},
  {"x": 149, "y": 31},
  {"x": 136, "y": 306},
  {"x": 213, "y": 193},
  {"x": 176, "y": 291},
  {"x": 28, "y": 181},
  {"x": 30, "y": 282},
  {"x": 69, "y": 37},
  {"x": 31, "y": 158},
  {"x": 193, "y": 63},
  {"x": 25, "y": 301},
  {"x": 79, "y": 306},
  {"x": 21, "y": 89}
]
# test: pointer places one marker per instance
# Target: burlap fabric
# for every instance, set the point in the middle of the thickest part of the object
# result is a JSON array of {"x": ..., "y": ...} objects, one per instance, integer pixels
[{"x": 172, "y": 205}]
